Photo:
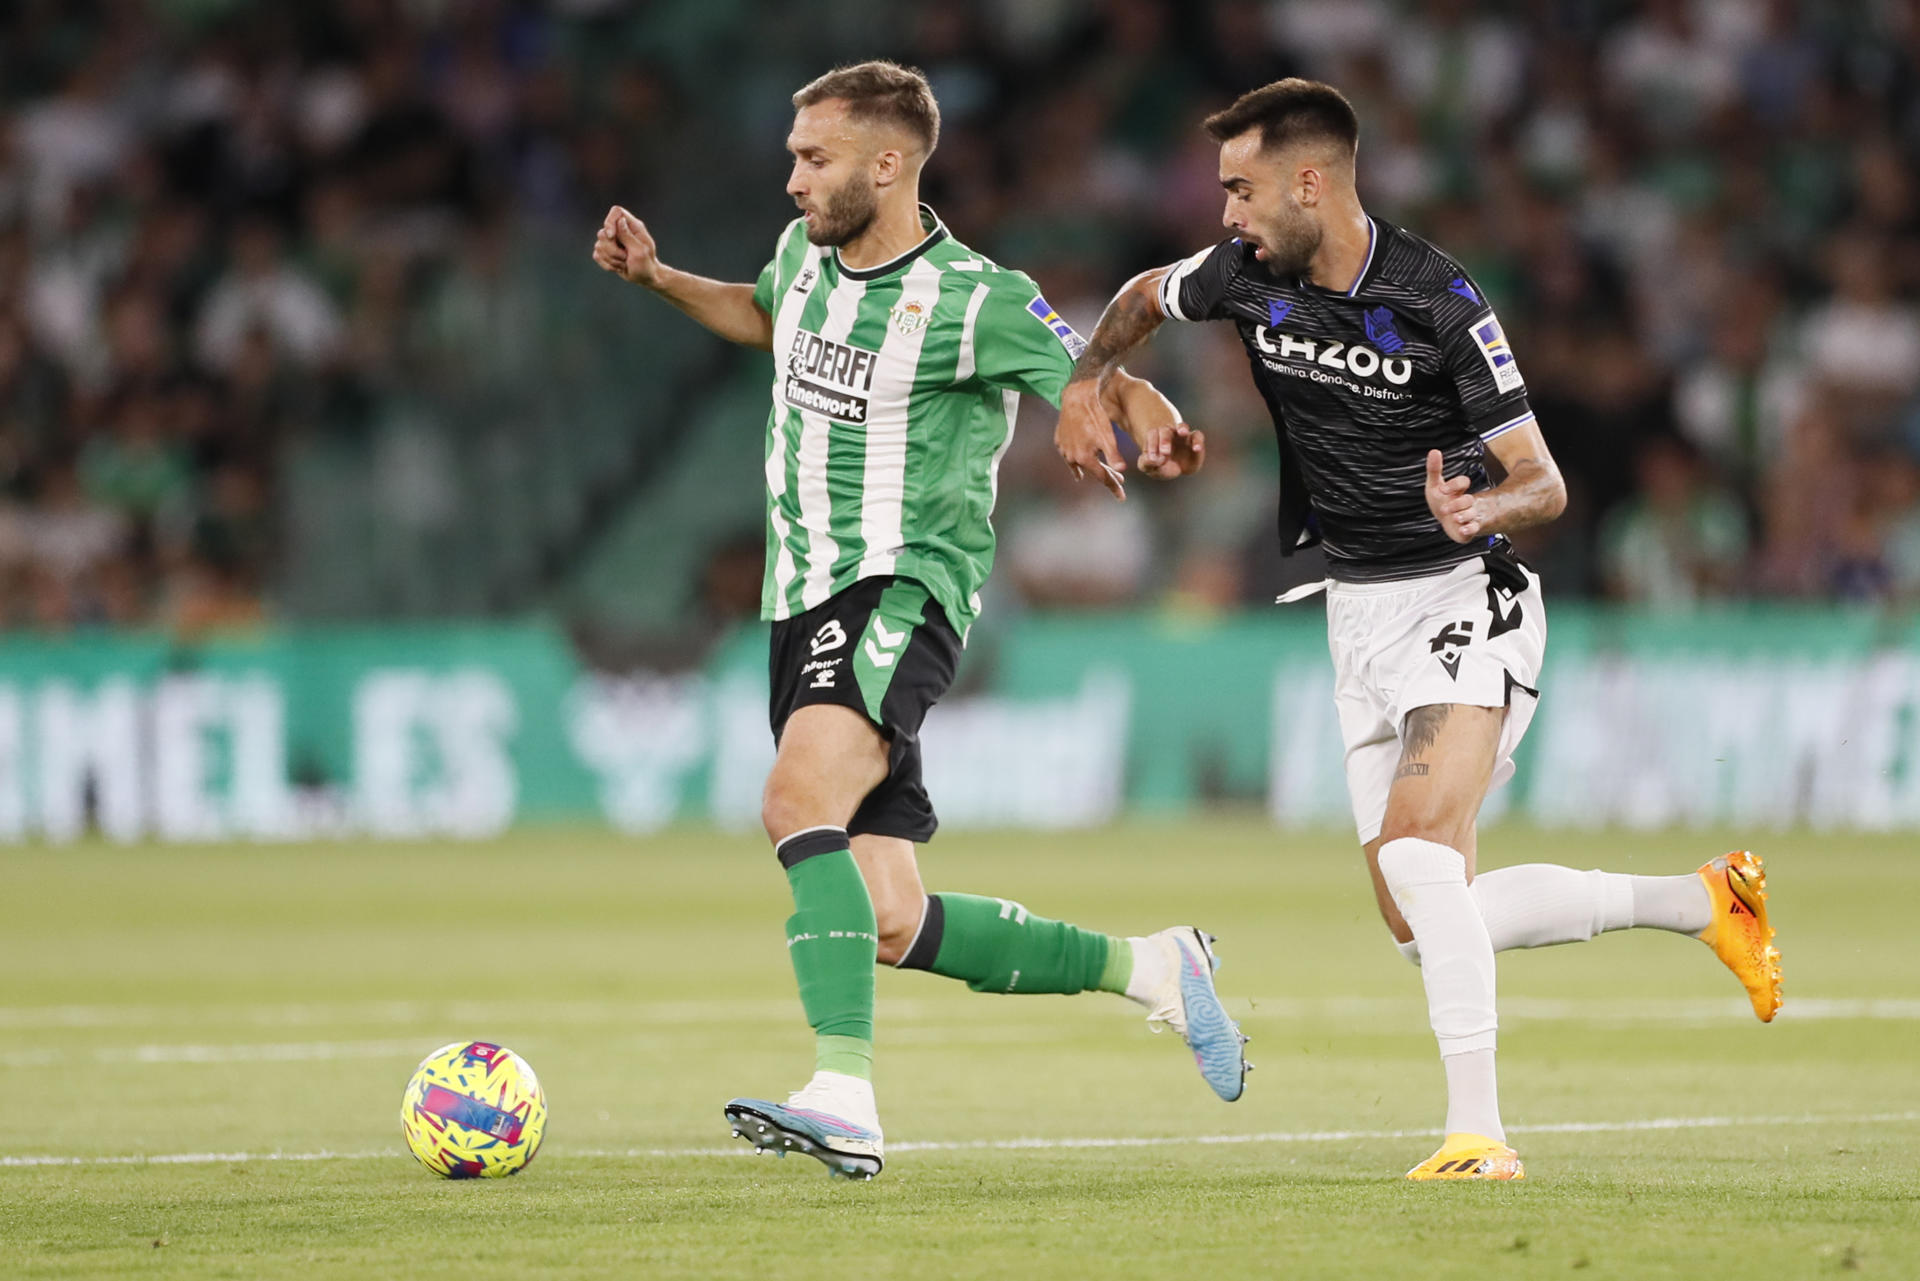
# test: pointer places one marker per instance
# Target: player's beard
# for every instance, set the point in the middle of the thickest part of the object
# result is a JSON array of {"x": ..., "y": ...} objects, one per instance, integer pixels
[
  {"x": 845, "y": 215},
  {"x": 1291, "y": 243}
]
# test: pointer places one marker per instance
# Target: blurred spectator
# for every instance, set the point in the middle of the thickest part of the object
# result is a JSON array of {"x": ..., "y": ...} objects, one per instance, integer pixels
[
  {"x": 1864, "y": 341},
  {"x": 328, "y": 260},
  {"x": 1079, "y": 549},
  {"x": 262, "y": 291},
  {"x": 1681, "y": 540}
]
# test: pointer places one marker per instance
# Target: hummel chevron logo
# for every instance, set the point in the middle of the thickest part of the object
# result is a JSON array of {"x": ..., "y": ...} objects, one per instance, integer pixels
[
  {"x": 1460, "y": 286},
  {"x": 878, "y": 654}
]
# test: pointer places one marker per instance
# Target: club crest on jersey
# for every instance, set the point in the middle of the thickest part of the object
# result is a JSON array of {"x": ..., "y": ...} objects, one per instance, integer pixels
[
  {"x": 909, "y": 317},
  {"x": 1492, "y": 342},
  {"x": 1044, "y": 312},
  {"x": 829, "y": 378},
  {"x": 1380, "y": 330}
]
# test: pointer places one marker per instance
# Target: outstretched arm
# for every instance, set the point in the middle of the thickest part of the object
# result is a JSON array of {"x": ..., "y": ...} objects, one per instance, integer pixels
[
  {"x": 1533, "y": 492},
  {"x": 625, "y": 247},
  {"x": 1169, "y": 448},
  {"x": 1084, "y": 435}
]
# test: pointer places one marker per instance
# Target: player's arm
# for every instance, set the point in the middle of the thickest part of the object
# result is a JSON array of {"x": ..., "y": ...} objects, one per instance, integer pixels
[
  {"x": 625, "y": 247},
  {"x": 1169, "y": 448},
  {"x": 1084, "y": 435},
  {"x": 1532, "y": 493}
]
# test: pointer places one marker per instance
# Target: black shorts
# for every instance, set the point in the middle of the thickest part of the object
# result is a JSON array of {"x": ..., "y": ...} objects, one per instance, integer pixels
[{"x": 884, "y": 648}]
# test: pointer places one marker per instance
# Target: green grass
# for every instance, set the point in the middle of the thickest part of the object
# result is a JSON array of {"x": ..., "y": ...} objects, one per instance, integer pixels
[{"x": 153, "y": 1002}]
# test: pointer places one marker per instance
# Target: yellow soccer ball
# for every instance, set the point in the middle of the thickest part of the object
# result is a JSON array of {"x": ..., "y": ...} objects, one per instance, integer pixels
[{"x": 474, "y": 1110}]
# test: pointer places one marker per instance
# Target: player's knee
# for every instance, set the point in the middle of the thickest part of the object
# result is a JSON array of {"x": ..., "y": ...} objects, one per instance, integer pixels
[
  {"x": 896, "y": 923},
  {"x": 785, "y": 809},
  {"x": 1434, "y": 823}
]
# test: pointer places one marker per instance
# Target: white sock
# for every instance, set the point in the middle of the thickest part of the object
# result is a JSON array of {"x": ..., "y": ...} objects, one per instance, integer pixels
[
  {"x": 1540, "y": 904},
  {"x": 1428, "y": 882},
  {"x": 1677, "y": 903},
  {"x": 1473, "y": 1094},
  {"x": 1150, "y": 970}
]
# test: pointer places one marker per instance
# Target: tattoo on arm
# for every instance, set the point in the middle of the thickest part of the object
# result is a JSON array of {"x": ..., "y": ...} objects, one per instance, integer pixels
[
  {"x": 1421, "y": 729},
  {"x": 1412, "y": 769},
  {"x": 1127, "y": 322}
]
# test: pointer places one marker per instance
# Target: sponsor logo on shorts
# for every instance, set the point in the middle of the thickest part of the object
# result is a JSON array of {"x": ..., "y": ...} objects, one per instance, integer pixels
[
  {"x": 830, "y": 636},
  {"x": 823, "y": 671},
  {"x": 1447, "y": 644},
  {"x": 883, "y": 643}
]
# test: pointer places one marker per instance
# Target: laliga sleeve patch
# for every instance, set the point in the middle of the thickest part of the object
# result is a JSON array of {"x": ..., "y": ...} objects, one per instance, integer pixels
[
  {"x": 1044, "y": 312},
  {"x": 1492, "y": 342}
]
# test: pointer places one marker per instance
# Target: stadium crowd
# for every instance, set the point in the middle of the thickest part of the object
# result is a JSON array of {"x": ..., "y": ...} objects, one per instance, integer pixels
[{"x": 226, "y": 227}]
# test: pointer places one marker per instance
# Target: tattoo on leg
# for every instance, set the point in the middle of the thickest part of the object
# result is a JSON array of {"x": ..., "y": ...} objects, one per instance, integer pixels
[
  {"x": 1412, "y": 769},
  {"x": 1422, "y": 728}
]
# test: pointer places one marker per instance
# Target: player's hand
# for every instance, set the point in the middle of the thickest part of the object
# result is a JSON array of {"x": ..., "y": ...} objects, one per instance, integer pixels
[
  {"x": 1457, "y": 511},
  {"x": 625, "y": 247},
  {"x": 1168, "y": 453},
  {"x": 1084, "y": 436}
]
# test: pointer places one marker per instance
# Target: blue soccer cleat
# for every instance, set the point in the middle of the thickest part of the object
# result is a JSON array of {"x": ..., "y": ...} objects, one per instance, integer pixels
[
  {"x": 832, "y": 1120},
  {"x": 1186, "y": 1002}
]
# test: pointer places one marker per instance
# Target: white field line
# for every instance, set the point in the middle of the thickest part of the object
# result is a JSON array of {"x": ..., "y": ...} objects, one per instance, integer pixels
[
  {"x": 936, "y": 1019},
  {"x": 1024, "y": 1144},
  {"x": 734, "y": 1011}
]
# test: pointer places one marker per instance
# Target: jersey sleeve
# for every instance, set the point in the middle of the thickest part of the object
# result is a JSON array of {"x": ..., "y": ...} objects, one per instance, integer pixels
[
  {"x": 1478, "y": 356},
  {"x": 1020, "y": 343},
  {"x": 1196, "y": 288},
  {"x": 763, "y": 288},
  {"x": 787, "y": 255}
]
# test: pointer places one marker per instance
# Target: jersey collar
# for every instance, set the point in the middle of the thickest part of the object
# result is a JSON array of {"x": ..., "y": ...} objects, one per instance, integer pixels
[
  {"x": 1373, "y": 243},
  {"x": 936, "y": 232},
  {"x": 1366, "y": 265}
]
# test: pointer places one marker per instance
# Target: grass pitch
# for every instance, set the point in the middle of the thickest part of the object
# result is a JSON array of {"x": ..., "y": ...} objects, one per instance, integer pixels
[{"x": 203, "y": 1054}]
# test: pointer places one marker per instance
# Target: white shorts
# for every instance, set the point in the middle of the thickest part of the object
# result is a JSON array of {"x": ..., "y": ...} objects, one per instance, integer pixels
[{"x": 1420, "y": 642}]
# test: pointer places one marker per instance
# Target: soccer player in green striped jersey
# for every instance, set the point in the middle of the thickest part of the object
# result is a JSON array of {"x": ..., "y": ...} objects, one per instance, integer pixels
[{"x": 900, "y": 356}]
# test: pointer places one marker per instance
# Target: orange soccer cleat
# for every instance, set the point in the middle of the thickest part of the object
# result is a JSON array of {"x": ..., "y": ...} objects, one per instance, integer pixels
[
  {"x": 1740, "y": 935},
  {"x": 1470, "y": 1156}
]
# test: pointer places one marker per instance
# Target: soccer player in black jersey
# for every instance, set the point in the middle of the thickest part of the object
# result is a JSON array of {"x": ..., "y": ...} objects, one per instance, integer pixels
[{"x": 1409, "y": 452}]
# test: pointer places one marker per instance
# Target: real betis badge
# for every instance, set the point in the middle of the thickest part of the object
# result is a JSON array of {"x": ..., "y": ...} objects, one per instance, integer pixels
[{"x": 908, "y": 316}]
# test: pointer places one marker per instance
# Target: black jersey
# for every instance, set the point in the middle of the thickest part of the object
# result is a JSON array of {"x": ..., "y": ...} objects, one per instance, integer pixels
[{"x": 1361, "y": 385}]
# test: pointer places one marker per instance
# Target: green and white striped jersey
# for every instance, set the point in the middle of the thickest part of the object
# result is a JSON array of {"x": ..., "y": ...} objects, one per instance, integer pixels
[{"x": 894, "y": 394}]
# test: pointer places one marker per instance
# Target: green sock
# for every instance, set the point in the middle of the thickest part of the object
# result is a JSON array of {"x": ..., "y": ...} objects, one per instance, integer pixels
[
  {"x": 832, "y": 940},
  {"x": 998, "y": 946}
]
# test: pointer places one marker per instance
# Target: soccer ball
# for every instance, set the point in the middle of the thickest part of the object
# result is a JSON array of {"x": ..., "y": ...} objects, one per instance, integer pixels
[{"x": 474, "y": 1110}]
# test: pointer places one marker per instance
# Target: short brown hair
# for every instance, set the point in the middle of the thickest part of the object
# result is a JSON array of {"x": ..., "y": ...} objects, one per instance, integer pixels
[
  {"x": 880, "y": 91},
  {"x": 1289, "y": 111}
]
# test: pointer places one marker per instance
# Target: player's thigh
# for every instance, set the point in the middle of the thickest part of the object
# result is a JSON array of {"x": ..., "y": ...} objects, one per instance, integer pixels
[
  {"x": 829, "y": 758},
  {"x": 1447, "y": 756},
  {"x": 892, "y": 873}
]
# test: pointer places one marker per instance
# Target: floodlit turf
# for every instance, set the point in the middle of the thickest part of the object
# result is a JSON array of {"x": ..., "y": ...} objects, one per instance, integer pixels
[{"x": 209, "y": 1004}]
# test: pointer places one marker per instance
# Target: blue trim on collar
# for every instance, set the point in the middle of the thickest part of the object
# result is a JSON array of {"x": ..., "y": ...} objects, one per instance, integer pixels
[{"x": 1373, "y": 237}]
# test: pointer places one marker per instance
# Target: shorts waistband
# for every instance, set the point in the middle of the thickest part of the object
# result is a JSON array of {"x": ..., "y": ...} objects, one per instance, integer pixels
[{"x": 1388, "y": 586}]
